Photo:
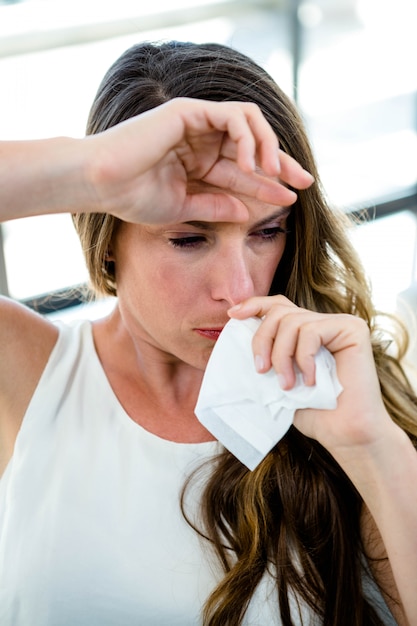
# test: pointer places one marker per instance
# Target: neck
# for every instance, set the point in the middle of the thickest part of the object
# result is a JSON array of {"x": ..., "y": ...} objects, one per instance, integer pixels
[{"x": 156, "y": 391}]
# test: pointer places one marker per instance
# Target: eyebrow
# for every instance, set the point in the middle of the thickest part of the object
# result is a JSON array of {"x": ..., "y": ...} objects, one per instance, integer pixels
[{"x": 280, "y": 213}]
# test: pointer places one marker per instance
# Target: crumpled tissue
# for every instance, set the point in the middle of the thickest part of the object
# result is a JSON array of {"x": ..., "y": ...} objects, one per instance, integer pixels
[{"x": 248, "y": 412}]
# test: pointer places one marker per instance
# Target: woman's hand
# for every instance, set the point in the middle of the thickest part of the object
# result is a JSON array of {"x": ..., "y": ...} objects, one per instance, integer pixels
[
  {"x": 141, "y": 169},
  {"x": 375, "y": 453},
  {"x": 288, "y": 335}
]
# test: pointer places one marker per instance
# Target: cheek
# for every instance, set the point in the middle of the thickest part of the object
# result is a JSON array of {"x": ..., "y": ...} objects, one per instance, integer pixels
[
  {"x": 177, "y": 283},
  {"x": 267, "y": 269}
]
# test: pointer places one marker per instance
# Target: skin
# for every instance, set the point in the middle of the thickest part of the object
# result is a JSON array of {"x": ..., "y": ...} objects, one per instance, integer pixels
[
  {"x": 155, "y": 343},
  {"x": 141, "y": 171},
  {"x": 230, "y": 265},
  {"x": 375, "y": 453},
  {"x": 159, "y": 322},
  {"x": 185, "y": 139}
]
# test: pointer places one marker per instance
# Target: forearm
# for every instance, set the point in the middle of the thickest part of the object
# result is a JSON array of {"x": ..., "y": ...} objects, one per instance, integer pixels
[
  {"x": 139, "y": 169},
  {"x": 387, "y": 482},
  {"x": 43, "y": 176}
]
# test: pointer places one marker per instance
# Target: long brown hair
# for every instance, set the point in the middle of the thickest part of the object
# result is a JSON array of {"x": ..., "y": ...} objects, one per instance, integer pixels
[{"x": 297, "y": 515}]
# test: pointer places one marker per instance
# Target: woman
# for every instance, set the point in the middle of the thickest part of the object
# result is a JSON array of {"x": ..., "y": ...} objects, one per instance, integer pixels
[{"x": 109, "y": 450}]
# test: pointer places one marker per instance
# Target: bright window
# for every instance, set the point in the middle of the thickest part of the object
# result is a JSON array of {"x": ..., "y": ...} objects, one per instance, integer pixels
[{"x": 356, "y": 89}]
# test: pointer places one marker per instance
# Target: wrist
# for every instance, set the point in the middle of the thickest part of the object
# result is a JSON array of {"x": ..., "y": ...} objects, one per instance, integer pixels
[
  {"x": 71, "y": 190},
  {"x": 378, "y": 468},
  {"x": 49, "y": 174}
]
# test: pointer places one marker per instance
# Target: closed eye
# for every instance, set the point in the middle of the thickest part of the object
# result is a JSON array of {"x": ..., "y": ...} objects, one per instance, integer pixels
[
  {"x": 192, "y": 241},
  {"x": 270, "y": 233}
]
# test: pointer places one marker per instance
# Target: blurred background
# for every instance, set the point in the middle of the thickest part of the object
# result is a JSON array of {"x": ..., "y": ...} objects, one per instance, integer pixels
[{"x": 350, "y": 65}]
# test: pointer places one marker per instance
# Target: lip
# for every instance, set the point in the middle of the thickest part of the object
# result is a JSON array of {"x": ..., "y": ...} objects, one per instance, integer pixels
[{"x": 209, "y": 333}]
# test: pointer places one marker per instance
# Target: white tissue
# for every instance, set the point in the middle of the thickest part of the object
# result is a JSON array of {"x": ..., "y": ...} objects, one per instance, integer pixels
[{"x": 248, "y": 412}]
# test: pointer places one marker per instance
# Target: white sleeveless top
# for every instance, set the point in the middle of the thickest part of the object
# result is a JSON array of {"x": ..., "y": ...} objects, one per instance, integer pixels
[{"x": 91, "y": 533}]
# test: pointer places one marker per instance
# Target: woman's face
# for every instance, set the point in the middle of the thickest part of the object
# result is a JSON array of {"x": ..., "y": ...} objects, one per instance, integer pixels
[{"x": 175, "y": 282}]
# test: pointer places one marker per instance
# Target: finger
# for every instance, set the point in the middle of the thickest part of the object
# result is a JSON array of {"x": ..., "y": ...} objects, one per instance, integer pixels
[
  {"x": 227, "y": 175},
  {"x": 293, "y": 174},
  {"x": 267, "y": 141},
  {"x": 290, "y": 343},
  {"x": 264, "y": 339},
  {"x": 259, "y": 306},
  {"x": 272, "y": 160},
  {"x": 288, "y": 335},
  {"x": 230, "y": 118},
  {"x": 289, "y": 171},
  {"x": 308, "y": 344},
  {"x": 252, "y": 135},
  {"x": 246, "y": 146},
  {"x": 276, "y": 341},
  {"x": 302, "y": 333},
  {"x": 214, "y": 207}
]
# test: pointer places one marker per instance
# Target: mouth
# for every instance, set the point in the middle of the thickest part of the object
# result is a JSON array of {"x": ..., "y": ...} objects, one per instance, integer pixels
[{"x": 209, "y": 333}]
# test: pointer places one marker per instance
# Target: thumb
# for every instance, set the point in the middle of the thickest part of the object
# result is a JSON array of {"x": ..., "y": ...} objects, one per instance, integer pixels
[{"x": 214, "y": 207}]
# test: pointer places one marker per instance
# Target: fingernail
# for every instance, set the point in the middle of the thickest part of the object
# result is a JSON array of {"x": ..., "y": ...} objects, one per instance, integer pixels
[{"x": 259, "y": 363}]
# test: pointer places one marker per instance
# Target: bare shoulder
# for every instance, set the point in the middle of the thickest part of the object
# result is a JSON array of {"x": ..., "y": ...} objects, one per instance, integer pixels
[
  {"x": 380, "y": 566},
  {"x": 26, "y": 341}
]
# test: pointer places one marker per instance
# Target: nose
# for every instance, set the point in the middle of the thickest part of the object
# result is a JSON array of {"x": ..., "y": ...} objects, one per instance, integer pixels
[{"x": 231, "y": 276}]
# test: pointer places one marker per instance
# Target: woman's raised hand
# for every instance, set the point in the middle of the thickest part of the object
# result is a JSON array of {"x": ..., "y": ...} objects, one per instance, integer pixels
[{"x": 141, "y": 170}]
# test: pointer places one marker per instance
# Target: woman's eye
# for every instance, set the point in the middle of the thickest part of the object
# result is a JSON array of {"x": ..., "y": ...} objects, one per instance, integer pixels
[
  {"x": 192, "y": 241},
  {"x": 271, "y": 232}
]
